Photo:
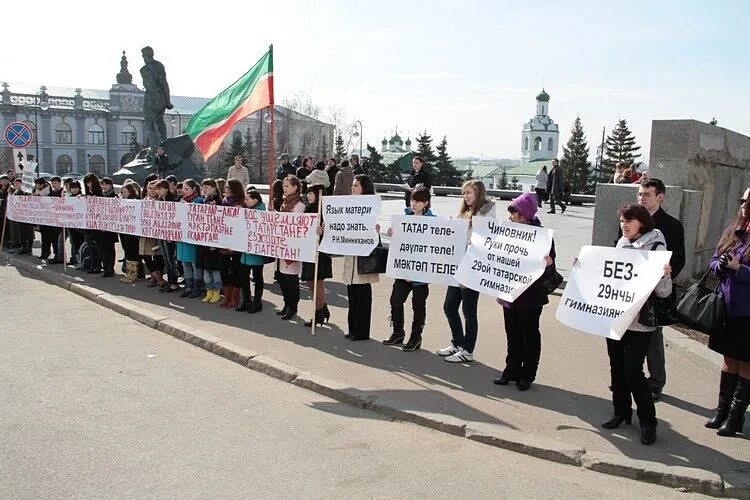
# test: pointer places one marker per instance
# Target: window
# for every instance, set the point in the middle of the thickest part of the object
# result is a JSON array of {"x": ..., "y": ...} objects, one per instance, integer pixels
[
  {"x": 63, "y": 134},
  {"x": 96, "y": 165},
  {"x": 537, "y": 144},
  {"x": 525, "y": 143},
  {"x": 549, "y": 144},
  {"x": 128, "y": 135},
  {"x": 63, "y": 165},
  {"x": 96, "y": 134},
  {"x": 32, "y": 126}
]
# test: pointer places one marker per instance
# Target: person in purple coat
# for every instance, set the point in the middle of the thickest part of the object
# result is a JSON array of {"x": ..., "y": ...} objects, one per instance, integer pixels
[
  {"x": 731, "y": 263},
  {"x": 522, "y": 315}
]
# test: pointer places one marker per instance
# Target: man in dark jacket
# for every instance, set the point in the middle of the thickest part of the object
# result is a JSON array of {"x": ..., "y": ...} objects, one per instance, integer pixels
[
  {"x": 418, "y": 177},
  {"x": 556, "y": 187},
  {"x": 331, "y": 169},
  {"x": 285, "y": 169},
  {"x": 651, "y": 196}
]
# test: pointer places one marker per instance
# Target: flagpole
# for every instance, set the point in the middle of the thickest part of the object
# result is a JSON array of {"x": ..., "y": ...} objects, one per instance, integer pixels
[
  {"x": 272, "y": 133},
  {"x": 315, "y": 269},
  {"x": 65, "y": 259},
  {"x": 5, "y": 219}
]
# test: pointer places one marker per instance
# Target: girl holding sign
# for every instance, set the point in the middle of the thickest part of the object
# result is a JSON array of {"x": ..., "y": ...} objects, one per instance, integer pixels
[
  {"x": 234, "y": 196},
  {"x": 731, "y": 263},
  {"x": 419, "y": 205},
  {"x": 325, "y": 270},
  {"x": 252, "y": 263},
  {"x": 359, "y": 286},
  {"x": 522, "y": 315},
  {"x": 289, "y": 269},
  {"x": 187, "y": 253},
  {"x": 461, "y": 349},
  {"x": 626, "y": 356}
]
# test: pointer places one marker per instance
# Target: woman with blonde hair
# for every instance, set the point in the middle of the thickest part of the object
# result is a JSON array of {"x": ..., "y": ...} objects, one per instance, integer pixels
[{"x": 461, "y": 350}]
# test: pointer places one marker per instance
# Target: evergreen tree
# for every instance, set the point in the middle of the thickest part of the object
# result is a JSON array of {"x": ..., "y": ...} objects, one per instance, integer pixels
[
  {"x": 447, "y": 174},
  {"x": 621, "y": 148},
  {"x": 251, "y": 160},
  {"x": 236, "y": 147},
  {"x": 378, "y": 171},
  {"x": 575, "y": 160},
  {"x": 340, "y": 151},
  {"x": 424, "y": 149}
]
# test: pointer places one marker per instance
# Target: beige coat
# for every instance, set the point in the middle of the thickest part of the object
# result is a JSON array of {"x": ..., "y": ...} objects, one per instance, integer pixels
[
  {"x": 146, "y": 245},
  {"x": 352, "y": 277}
]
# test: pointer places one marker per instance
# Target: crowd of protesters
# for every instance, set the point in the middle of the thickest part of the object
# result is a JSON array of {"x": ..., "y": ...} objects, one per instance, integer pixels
[{"x": 236, "y": 279}]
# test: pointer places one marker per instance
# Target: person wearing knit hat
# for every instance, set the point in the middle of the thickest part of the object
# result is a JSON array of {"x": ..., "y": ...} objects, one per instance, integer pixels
[
  {"x": 522, "y": 315},
  {"x": 526, "y": 206}
]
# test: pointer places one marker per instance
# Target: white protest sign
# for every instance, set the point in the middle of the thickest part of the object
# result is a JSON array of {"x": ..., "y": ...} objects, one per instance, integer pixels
[
  {"x": 504, "y": 258},
  {"x": 349, "y": 224},
  {"x": 29, "y": 174},
  {"x": 281, "y": 235},
  {"x": 426, "y": 249},
  {"x": 608, "y": 287}
]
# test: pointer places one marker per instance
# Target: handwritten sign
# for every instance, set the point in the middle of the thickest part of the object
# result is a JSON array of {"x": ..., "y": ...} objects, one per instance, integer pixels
[
  {"x": 608, "y": 287},
  {"x": 426, "y": 249},
  {"x": 504, "y": 258},
  {"x": 349, "y": 224}
]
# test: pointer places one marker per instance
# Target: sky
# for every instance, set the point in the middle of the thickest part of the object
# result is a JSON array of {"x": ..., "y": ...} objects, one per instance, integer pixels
[{"x": 466, "y": 70}]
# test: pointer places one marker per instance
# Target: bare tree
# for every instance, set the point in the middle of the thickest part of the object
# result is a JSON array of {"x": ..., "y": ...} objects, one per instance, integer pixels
[
  {"x": 301, "y": 102},
  {"x": 339, "y": 117}
]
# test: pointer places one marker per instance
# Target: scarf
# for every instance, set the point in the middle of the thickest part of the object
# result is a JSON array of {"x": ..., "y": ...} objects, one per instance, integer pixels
[
  {"x": 191, "y": 197},
  {"x": 290, "y": 202}
]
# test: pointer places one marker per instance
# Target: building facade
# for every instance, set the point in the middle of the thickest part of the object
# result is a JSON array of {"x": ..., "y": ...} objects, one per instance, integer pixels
[
  {"x": 87, "y": 130},
  {"x": 540, "y": 137}
]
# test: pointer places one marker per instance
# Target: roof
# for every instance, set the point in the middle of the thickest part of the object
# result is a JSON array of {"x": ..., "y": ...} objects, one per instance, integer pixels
[
  {"x": 530, "y": 168},
  {"x": 24, "y": 88},
  {"x": 543, "y": 96}
]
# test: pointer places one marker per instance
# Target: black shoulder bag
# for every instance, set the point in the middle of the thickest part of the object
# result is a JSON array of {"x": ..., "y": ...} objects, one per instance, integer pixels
[{"x": 376, "y": 262}]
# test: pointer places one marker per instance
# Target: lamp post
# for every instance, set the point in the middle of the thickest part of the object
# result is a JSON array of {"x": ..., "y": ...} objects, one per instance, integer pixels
[
  {"x": 44, "y": 105},
  {"x": 173, "y": 122},
  {"x": 358, "y": 134}
]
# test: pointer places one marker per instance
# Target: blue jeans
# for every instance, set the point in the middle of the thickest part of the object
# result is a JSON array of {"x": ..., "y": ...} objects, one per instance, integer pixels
[
  {"x": 467, "y": 299},
  {"x": 191, "y": 271},
  {"x": 212, "y": 279}
]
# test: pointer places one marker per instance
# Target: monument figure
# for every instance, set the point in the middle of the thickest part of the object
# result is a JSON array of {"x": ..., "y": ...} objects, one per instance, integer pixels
[{"x": 156, "y": 99}]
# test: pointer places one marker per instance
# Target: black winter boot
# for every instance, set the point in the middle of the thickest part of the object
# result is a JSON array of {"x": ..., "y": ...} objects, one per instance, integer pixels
[
  {"x": 398, "y": 335},
  {"x": 246, "y": 297},
  {"x": 415, "y": 339},
  {"x": 727, "y": 385},
  {"x": 736, "y": 419}
]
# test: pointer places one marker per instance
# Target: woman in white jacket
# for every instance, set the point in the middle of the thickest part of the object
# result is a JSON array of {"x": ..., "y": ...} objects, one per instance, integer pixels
[
  {"x": 541, "y": 186},
  {"x": 626, "y": 355}
]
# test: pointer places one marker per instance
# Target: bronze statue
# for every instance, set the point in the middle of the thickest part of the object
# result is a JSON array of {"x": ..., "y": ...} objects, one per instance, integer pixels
[{"x": 156, "y": 99}]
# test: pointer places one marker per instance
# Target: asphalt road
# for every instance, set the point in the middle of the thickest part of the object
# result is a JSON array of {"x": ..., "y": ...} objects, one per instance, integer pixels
[{"x": 95, "y": 405}]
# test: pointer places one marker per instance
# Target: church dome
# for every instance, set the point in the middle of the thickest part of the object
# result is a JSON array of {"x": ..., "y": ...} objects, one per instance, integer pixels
[
  {"x": 543, "y": 96},
  {"x": 408, "y": 141},
  {"x": 384, "y": 142}
]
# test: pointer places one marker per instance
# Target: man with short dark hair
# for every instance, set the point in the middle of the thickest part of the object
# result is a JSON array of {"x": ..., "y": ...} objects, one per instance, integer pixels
[
  {"x": 285, "y": 169},
  {"x": 162, "y": 162},
  {"x": 650, "y": 196},
  {"x": 556, "y": 187},
  {"x": 356, "y": 166}
]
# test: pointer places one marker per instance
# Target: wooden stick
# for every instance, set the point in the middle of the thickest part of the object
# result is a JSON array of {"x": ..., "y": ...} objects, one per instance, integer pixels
[
  {"x": 315, "y": 272},
  {"x": 65, "y": 259},
  {"x": 5, "y": 221}
]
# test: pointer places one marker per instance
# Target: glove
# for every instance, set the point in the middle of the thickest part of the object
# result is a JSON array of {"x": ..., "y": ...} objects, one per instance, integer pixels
[{"x": 723, "y": 261}]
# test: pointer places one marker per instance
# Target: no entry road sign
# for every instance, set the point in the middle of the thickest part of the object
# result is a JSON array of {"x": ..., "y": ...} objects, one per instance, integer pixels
[{"x": 18, "y": 135}]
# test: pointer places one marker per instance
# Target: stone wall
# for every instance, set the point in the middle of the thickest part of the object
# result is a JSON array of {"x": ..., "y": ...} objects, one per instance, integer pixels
[{"x": 706, "y": 169}]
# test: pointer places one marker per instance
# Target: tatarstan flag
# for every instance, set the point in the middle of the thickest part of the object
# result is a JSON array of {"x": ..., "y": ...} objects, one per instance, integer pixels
[{"x": 253, "y": 92}]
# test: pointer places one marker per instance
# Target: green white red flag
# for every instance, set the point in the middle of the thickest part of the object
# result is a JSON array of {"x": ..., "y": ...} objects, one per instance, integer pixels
[{"x": 253, "y": 92}]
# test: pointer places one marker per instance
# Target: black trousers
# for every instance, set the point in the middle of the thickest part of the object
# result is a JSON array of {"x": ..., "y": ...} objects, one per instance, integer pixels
[
  {"x": 541, "y": 195},
  {"x": 360, "y": 310},
  {"x": 257, "y": 272},
  {"x": 289, "y": 284},
  {"x": 399, "y": 294},
  {"x": 130, "y": 247},
  {"x": 49, "y": 241},
  {"x": 76, "y": 240},
  {"x": 558, "y": 199},
  {"x": 105, "y": 248},
  {"x": 524, "y": 343},
  {"x": 231, "y": 269},
  {"x": 626, "y": 358}
]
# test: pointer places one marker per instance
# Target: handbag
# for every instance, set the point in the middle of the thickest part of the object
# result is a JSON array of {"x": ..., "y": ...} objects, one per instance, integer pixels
[
  {"x": 703, "y": 309},
  {"x": 665, "y": 308},
  {"x": 375, "y": 263},
  {"x": 549, "y": 281}
]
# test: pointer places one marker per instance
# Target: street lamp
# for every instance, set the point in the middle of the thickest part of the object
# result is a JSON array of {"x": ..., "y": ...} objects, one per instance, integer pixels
[
  {"x": 358, "y": 134},
  {"x": 173, "y": 122},
  {"x": 44, "y": 105}
]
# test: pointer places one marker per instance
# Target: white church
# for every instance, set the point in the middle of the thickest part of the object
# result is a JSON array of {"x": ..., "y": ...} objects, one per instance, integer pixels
[{"x": 540, "y": 137}]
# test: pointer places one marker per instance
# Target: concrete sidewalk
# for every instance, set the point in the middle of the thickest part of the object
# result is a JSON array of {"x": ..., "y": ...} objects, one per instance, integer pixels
[{"x": 558, "y": 419}]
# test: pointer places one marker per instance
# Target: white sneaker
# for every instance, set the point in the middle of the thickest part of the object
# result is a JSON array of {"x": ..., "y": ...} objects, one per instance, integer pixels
[
  {"x": 447, "y": 351},
  {"x": 462, "y": 356}
]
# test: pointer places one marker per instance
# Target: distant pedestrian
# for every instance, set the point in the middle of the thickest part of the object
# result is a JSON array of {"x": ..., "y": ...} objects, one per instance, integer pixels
[
  {"x": 556, "y": 187},
  {"x": 541, "y": 186},
  {"x": 239, "y": 171}
]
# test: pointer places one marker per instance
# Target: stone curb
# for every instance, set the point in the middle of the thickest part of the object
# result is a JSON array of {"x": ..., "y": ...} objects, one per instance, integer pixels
[{"x": 696, "y": 480}]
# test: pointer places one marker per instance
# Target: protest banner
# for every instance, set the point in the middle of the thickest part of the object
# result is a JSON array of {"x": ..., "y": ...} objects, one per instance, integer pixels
[
  {"x": 29, "y": 174},
  {"x": 349, "y": 224},
  {"x": 426, "y": 249},
  {"x": 504, "y": 258},
  {"x": 288, "y": 236},
  {"x": 608, "y": 287}
]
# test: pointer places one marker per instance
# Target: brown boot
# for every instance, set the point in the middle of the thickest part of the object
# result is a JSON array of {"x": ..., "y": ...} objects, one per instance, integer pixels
[
  {"x": 235, "y": 299},
  {"x": 228, "y": 290},
  {"x": 131, "y": 272}
]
